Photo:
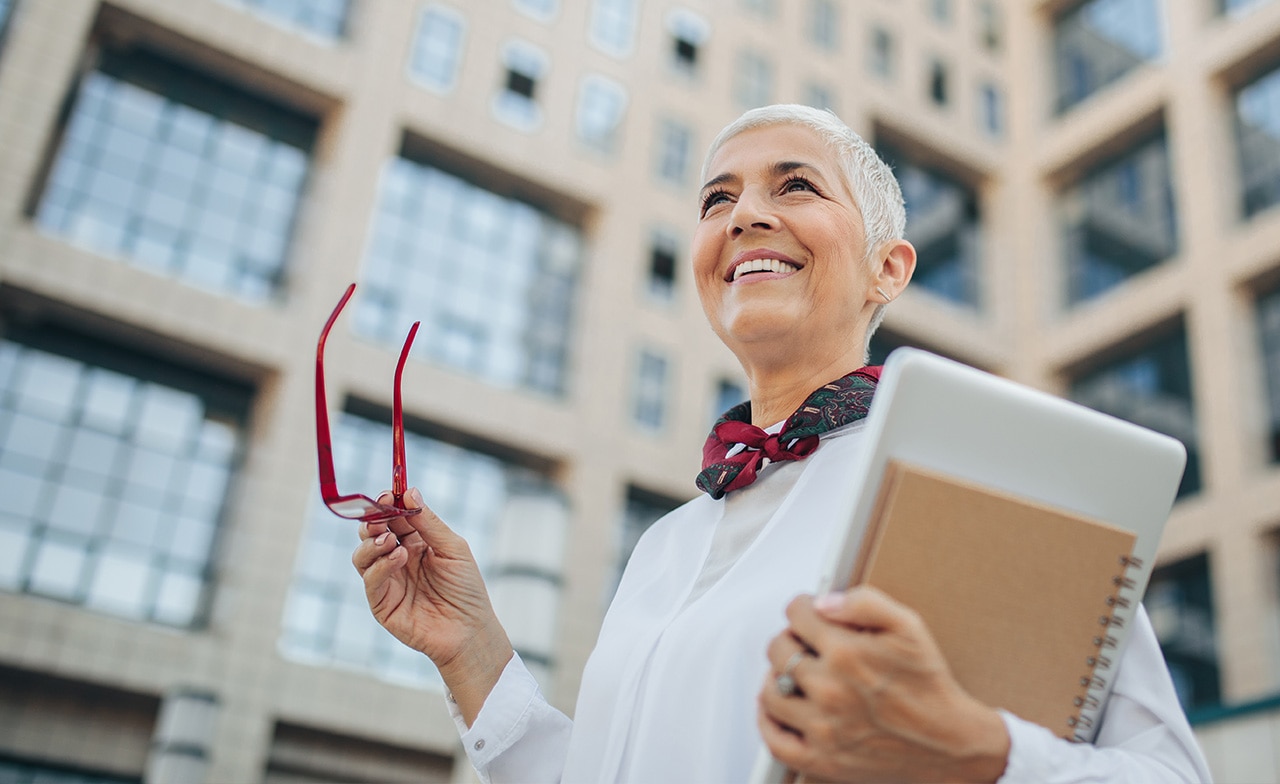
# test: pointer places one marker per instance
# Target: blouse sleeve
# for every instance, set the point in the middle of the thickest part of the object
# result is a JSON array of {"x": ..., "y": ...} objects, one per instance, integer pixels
[
  {"x": 1144, "y": 736},
  {"x": 517, "y": 736}
]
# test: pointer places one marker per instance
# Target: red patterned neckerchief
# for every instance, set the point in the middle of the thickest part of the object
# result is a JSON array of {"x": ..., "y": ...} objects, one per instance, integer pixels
[{"x": 833, "y": 405}]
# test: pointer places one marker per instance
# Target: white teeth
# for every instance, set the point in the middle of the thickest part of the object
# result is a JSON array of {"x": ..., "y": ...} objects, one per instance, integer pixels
[{"x": 763, "y": 265}]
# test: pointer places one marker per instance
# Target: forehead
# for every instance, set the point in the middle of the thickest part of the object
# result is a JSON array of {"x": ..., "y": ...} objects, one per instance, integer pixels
[{"x": 757, "y": 150}]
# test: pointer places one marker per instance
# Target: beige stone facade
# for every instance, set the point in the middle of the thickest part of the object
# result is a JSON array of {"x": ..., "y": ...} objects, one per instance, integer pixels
[{"x": 958, "y": 89}]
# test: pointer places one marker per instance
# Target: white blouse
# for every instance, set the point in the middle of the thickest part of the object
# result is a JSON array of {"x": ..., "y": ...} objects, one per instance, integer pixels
[{"x": 669, "y": 693}]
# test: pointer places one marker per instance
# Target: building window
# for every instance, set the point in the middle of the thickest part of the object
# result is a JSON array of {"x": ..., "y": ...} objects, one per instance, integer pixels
[
  {"x": 114, "y": 471},
  {"x": 15, "y": 772},
  {"x": 6, "y": 11},
  {"x": 663, "y": 255},
  {"x": 881, "y": 53},
  {"x": 326, "y": 617},
  {"x": 820, "y": 96},
  {"x": 728, "y": 394},
  {"x": 990, "y": 26},
  {"x": 613, "y": 26},
  {"x": 675, "y": 143},
  {"x": 753, "y": 81},
  {"x": 516, "y": 102},
  {"x": 649, "y": 399},
  {"x": 642, "y": 510},
  {"x": 1238, "y": 7},
  {"x": 944, "y": 225},
  {"x": 1258, "y": 138},
  {"x": 492, "y": 277},
  {"x": 1269, "y": 331},
  {"x": 940, "y": 10},
  {"x": 542, "y": 10},
  {"x": 1099, "y": 41},
  {"x": 1179, "y": 600},
  {"x": 991, "y": 109},
  {"x": 761, "y": 7},
  {"x": 689, "y": 33},
  {"x": 325, "y": 18},
  {"x": 1150, "y": 386},
  {"x": 602, "y": 104},
  {"x": 824, "y": 24},
  {"x": 939, "y": 83},
  {"x": 1119, "y": 220},
  {"x": 179, "y": 174},
  {"x": 437, "y": 47}
]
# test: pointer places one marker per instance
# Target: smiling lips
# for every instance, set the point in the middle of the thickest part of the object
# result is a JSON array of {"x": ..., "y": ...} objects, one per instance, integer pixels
[{"x": 763, "y": 265}]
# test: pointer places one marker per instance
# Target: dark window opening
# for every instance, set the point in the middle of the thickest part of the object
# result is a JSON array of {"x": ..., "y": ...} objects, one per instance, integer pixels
[{"x": 521, "y": 83}]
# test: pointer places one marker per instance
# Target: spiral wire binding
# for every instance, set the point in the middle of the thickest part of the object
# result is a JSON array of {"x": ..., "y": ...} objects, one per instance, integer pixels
[{"x": 1094, "y": 680}]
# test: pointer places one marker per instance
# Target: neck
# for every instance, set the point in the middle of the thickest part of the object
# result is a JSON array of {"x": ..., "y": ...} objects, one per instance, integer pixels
[{"x": 777, "y": 392}]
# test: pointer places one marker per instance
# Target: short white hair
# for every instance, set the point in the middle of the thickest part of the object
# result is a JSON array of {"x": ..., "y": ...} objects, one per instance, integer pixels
[{"x": 872, "y": 183}]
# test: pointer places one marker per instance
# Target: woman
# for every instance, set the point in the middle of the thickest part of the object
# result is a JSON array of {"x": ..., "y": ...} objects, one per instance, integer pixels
[{"x": 799, "y": 247}]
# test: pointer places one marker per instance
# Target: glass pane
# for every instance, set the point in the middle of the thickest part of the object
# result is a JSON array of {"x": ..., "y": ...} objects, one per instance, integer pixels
[
  {"x": 89, "y": 513},
  {"x": 1119, "y": 220},
  {"x": 943, "y": 223},
  {"x": 1150, "y": 386},
  {"x": 327, "y": 618},
  {"x": 119, "y": 584},
  {"x": 148, "y": 159},
  {"x": 477, "y": 265},
  {"x": 1097, "y": 42},
  {"x": 1258, "y": 138},
  {"x": 1269, "y": 332}
]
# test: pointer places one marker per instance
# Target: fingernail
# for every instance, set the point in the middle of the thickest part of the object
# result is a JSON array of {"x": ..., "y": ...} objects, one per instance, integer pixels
[
  {"x": 381, "y": 539},
  {"x": 829, "y": 602},
  {"x": 416, "y": 496}
]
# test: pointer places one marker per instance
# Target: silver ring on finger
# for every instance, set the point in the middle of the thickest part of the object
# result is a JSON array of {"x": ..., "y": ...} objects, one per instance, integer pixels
[{"x": 786, "y": 680}]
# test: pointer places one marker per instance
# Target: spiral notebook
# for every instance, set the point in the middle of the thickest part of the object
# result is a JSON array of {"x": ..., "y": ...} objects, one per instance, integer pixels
[
  {"x": 977, "y": 433},
  {"x": 1020, "y": 597}
]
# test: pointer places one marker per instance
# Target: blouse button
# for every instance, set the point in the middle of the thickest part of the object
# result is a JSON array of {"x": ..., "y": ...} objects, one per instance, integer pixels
[{"x": 479, "y": 744}]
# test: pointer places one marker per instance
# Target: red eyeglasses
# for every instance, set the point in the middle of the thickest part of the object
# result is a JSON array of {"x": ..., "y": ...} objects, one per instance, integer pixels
[{"x": 357, "y": 506}]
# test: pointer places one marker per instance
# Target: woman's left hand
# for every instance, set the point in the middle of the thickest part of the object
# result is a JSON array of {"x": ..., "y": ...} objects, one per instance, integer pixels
[{"x": 875, "y": 700}]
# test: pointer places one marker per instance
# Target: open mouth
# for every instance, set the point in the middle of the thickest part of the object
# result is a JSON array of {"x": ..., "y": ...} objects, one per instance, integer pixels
[{"x": 763, "y": 265}]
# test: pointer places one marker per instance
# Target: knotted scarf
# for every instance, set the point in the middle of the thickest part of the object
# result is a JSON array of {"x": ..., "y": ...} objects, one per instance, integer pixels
[{"x": 833, "y": 405}]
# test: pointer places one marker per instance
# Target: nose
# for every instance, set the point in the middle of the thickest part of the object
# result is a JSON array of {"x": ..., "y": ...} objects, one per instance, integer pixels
[{"x": 751, "y": 211}]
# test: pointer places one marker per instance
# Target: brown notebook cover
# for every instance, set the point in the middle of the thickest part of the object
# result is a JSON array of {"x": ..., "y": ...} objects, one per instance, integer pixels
[{"x": 1019, "y": 596}]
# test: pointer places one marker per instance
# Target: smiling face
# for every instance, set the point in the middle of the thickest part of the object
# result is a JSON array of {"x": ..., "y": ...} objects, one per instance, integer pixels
[{"x": 779, "y": 255}]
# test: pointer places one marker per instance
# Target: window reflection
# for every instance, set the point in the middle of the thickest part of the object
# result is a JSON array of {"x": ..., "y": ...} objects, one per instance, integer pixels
[
  {"x": 1179, "y": 601},
  {"x": 492, "y": 279},
  {"x": 179, "y": 174},
  {"x": 943, "y": 224},
  {"x": 1269, "y": 331},
  {"x": 1150, "y": 386},
  {"x": 110, "y": 494},
  {"x": 1119, "y": 220},
  {"x": 437, "y": 47},
  {"x": 649, "y": 399},
  {"x": 325, "y": 18},
  {"x": 642, "y": 510},
  {"x": 602, "y": 103},
  {"x": 327, "y": 619},
  {"x": 674, "y": 150},
  {"x": 753, "y": 80},
  {"x": 1258, "y": 138},
  {"x": 1234, "y": 7},
  {"x": 613, "y": 25},
  {"x": 1099, "y": 41}
]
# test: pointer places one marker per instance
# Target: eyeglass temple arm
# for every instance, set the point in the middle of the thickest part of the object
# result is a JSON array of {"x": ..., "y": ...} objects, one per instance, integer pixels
[
  {"x": 399, "y": 480},
  {"x": 324, "y": 442}
]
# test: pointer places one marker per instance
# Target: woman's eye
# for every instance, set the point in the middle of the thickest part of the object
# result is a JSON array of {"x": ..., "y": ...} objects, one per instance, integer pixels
[
  {"x": 797, "y": 184},
  {"x": 712, "y": 199}
]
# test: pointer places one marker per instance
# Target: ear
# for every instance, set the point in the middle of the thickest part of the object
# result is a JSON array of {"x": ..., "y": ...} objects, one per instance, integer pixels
[{"x": 895, "y": 265}]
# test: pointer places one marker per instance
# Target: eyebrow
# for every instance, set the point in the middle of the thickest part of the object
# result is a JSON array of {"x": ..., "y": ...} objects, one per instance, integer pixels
[{"x": 778, "y": 169}]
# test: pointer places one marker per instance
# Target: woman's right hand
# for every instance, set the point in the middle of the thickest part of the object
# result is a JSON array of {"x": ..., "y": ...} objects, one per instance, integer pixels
[{"x": 424, "y": 586}]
